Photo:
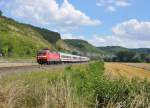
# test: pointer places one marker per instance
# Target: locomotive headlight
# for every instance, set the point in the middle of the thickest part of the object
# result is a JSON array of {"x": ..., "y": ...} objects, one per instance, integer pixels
[{"x": 41, "y": 56}]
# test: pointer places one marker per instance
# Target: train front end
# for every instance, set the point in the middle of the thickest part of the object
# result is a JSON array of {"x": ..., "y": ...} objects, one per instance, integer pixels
[{"x": 42, "y": 56}]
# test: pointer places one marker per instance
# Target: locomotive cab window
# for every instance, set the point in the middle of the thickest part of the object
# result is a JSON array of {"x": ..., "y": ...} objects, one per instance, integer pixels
[{"x": 41, "y": 53}]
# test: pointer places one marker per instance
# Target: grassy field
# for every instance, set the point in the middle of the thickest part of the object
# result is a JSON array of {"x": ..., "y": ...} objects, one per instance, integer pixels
[
  {"x": 75, "y": 86},
  {"x": 129, "y": 70}
]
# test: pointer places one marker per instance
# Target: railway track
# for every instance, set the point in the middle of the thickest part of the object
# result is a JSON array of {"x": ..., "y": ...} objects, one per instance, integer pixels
[
  {"x": 19, "y": 69},
  {"x": 30, "y": 68},
  {"x": 6, "y": 70}
]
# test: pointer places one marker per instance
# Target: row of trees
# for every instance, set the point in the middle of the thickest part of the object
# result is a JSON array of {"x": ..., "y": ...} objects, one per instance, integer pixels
[{"x": 128, "y": 56}]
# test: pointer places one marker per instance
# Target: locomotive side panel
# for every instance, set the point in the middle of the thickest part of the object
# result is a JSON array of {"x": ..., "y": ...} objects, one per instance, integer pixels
[{"x": 53, "y": 56}]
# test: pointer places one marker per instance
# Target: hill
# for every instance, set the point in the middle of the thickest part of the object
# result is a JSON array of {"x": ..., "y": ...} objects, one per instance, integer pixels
[
  {"x": 50, "y": 36},
  {"x": 23, "y": 40},
  {"x": 122, "y": 54},
  {"x": 110, "y": 50},
  {"x": 83, "y": 47},
  {"x": 20, "y": 40},
  {"x": 142, "y": 50}
]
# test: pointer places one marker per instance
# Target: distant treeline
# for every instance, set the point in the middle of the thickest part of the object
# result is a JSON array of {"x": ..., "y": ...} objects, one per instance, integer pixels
[{"x": 128, "y": 56}]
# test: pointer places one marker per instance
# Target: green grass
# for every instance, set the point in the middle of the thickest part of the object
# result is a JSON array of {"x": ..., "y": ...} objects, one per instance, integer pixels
[{"x": 75, "y": 86}]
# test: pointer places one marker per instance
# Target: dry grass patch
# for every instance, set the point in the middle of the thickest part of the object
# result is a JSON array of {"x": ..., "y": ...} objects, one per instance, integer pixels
[{"x": 120, "y": 69}]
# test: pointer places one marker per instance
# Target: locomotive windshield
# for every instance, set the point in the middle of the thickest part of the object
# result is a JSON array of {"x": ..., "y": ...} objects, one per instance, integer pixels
[{"x": 41, "y": 53}]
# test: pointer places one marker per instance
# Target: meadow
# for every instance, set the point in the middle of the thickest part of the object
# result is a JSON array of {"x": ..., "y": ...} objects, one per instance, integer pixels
[{"x": 75, "y": 86}]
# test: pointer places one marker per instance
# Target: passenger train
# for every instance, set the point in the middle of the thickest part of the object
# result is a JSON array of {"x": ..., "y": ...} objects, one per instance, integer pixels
[{"x": 47, "y": 57}]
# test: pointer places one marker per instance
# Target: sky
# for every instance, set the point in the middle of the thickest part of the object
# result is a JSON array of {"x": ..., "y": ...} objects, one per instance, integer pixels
[{"x": 101, "y": 22}]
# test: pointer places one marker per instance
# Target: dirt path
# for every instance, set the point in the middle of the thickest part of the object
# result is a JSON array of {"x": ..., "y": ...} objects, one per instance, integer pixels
[{"x": 120, "y": 69}]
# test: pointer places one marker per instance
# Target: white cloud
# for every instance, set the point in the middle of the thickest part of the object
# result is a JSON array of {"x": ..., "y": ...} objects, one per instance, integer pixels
[
  {"x": 111, "y": 8},
  {"x": 71, "y": 36},
  {"x": 133, "y": 29},
  {"x": 49, "y": 12},
  {"x": 111, "y": 5},
  {"x": 131, "y": 34},
  {"x": 122, "y": 3}
]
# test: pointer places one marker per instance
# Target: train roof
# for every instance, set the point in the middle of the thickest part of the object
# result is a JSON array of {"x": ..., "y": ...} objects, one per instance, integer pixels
[{"x": 71, "y": 55}]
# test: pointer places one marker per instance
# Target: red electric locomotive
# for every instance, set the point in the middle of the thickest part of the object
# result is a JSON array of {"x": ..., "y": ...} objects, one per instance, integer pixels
[{"x": 47, "y": 57}]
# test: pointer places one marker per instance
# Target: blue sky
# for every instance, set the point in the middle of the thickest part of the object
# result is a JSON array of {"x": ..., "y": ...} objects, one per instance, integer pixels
[{"x": 100, "y": 22}]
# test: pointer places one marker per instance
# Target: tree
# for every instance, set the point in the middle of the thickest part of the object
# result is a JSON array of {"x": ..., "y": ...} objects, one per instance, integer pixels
[
  {"x": 125, "y": 56},
  {"x": 1, "y": 13},
  {"x": 143, "y": 57},
  {"x": 147, "y": 58},
  {"x": 137, "y": 58},
  {"x": 75, "y": 53}
]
